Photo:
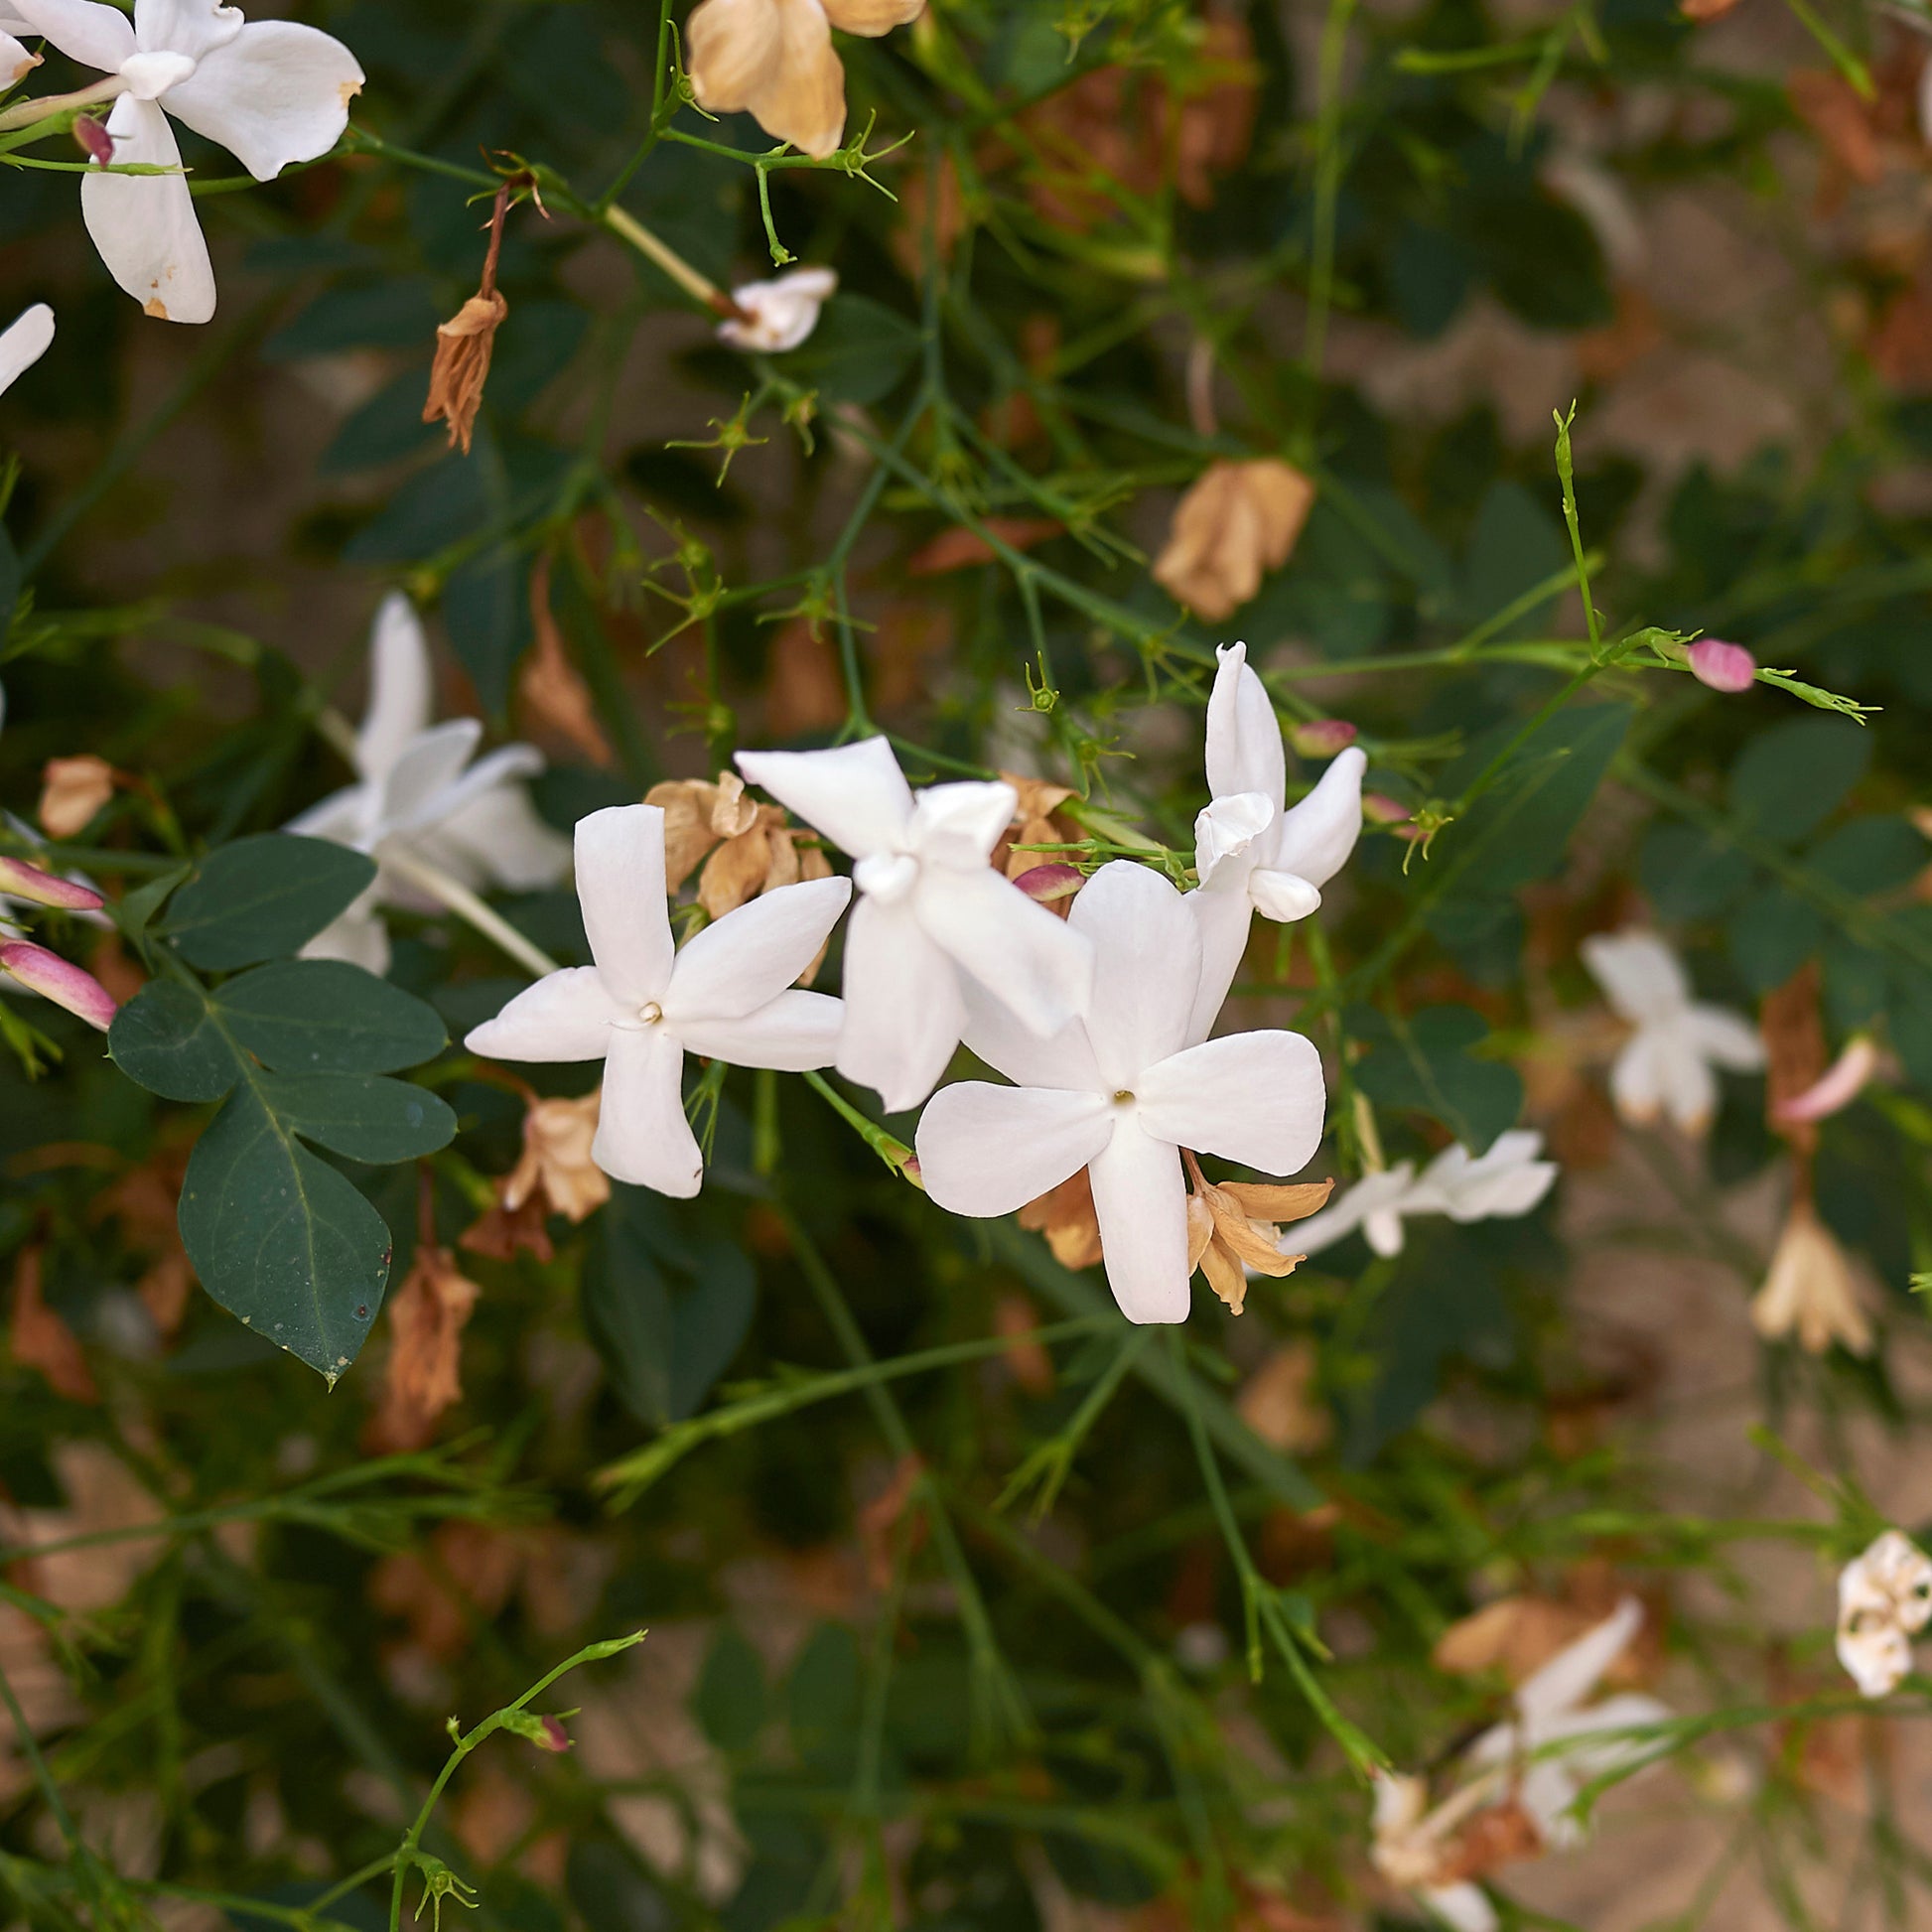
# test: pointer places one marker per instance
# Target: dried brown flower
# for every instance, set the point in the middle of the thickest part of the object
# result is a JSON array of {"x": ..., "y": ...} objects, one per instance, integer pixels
[
  {"x": 465, "y": 342},
  {"x": 1239, "y": 521},
  {"x": 773, "y": 60},
  {"x": 427, "y": 1317},
  {"x": 42, "y": 1340},
  {"x": 805, "y": 689},
  {"x": 556, "y": 1169},
  {"x": 1810, "y": 1290},
  {"x": 1068, "y": 1219},
  {"x": 1279, "y": 1404},
  {"x": 1015, "y": 1317},
  {"x": 73, "y": 790},
  {"x": 1233, "y": 1225},
  {"x": 752, "y": 847},
  {"x": 550, "y": 686}
]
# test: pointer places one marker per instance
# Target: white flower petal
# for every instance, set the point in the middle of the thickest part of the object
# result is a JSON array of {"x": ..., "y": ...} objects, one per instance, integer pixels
[
  {"x": 347, "y": 817},
  {"x": 1641, "y": 978},
  {"x": 1223, "y": 915},
  {"x": 1256, "y": 1098},
  {"x": 797, "y": 1032},
  {"x": 564, "y": 1016},
  {"x": 904, "y": 1011},
  {"x": 145, "y": 225},
  {"x": 1141, "y": 1202},
  {"x": 26, "y": 339},
  {"x": 1316, "y": 837},
  {"x": 854, "y": 795},
  {"x": 195, "y": 28},
  {"x": 643, "y": 1136},
  {"x": 986, "y": 1149},
  {"x": 500, "y": 840},
  {"x": 1561, "y": 1683},
  {"x": 275, "y": 94},
  {"x": 1228, "y": 828},
  {"x": 1283, "y": 897},
  {"x": 1463, "y": 1907},
  {"x": 1027, "y": 959},
  {"x": 1382, "y": 1229},
  {"x": 959, "y": 824},
  {"x": 781, "y": 311},
  {"x": 424, "y": 771},
  {"x": 15, "y": 61},
  {"x": 1147, "y": 968},
  {"x": 1725, "y": 1037},
  {"x": 1637, "y": 1078},
  {"x": 1690, "y": 1088},
  {"x": 621, "y": 888},
  {"x": 402, "y": 687},
  {"x": 94, "y": 35},
  {"x": 999, "y": 1037},
  {"x": 360, "y": 936},
  {"x": 1244, "y": 737},
  {"x": 749, "y": 957}
]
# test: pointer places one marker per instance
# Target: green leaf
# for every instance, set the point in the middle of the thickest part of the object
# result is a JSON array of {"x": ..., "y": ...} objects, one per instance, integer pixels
[
  {"x": 329, "y": 1016},
  {"x": 858, "y": 352},
  {"x": 730, "y": 1700},
  {"x": 281, "y": 1240},
  {"x": 1771, "y": 935},
  {"x": 135, "y": 910},
  {"x": 1869, "y": 855},
  {"x": 167, "y": 1040},
  {"x": 1423, "y": 1062},
  {"x": 263, "y": 897},
  {"x": 1793, "y": 777},
  {"x": 362, "y": 1117},
  {"x": 1688, "y": 873}
]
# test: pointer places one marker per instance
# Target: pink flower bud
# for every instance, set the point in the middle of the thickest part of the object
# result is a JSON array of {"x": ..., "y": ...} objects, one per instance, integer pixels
[
  {"x": 1323, "y": 737},
  {"x": 555, "y": 1737},
  {"x": 93, "y": 140},
  {"x": 58, "y": 980},
  {"x": 19, "y": 879},
  {"x": 1837, "y": 1088},
  {"x": 1052, "y": 882},
  {"x": 1380, "y": 809},
  {"x": 1723, "y": 667}
]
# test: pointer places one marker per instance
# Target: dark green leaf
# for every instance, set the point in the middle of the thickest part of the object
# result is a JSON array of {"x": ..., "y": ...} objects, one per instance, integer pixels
[
  {"x": 1690, "y": 875},
  {"x": 327, "y": 1016},
  {"x": 166, "y": 1039},
  {"x": 136, "y": 910},
  {"x": 362, "y": 1116},
  {"x": 1792, "y": 777},
  {"x": 730, "y": 1699},
  {"x": 262, "y": 897},
  {"x": 858, "y": 352},
  {"x": 1425, "y": 1062},
  {"x": 1869, "y": 855}
]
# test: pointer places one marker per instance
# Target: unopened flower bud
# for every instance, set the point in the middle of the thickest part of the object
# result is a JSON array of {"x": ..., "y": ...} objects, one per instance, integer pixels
[
  {"x": 555, "y": 1737},
  {"x": 93, "y": 140},
  {"x": 1322, "y": 738},
  {"x": 1837, "y": 1088},
  {"x": 1723, "y": 667},
  {"x": 58, "y": 980},
  {"x": 1380, "y": 809},
  {"x": 1051, "y": 882},
  {"x": 19, "y": 879}
]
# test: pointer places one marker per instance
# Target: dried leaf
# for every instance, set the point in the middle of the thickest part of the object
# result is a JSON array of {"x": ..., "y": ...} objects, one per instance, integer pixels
[
  {"x": 1239, "y": 521},
  {"x": 42, "y": 1340},
  {"x": 550, "y": 687},
  {"x": 556, "y": 1169},
  {"x": 427, "y": 1317}
]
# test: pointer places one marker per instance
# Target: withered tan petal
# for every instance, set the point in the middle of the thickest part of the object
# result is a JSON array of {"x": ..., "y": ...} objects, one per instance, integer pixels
[
  {"x": 464, "y": 346},
  {"x": 1262, "y": 1201},
  {"x": 732, "y": 49},
  {"x": 1237, "y": 521},
  {"x": 1224, "y": 1275},
  {"x": 73, "y": 790},
  {"x": 686, "y": 804},
  {"x": 1200, "y": 1230},
  {"x": 736, "y": 871},
  {"x": 873, "y": 16},
  {"x": 774, "y": 60},
  {"x": 731, "y": 813},
  {"x": 557, "y": 1137}
]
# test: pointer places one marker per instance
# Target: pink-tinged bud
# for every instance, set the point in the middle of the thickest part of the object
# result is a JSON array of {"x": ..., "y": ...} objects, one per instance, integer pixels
[
  {"x": 555, "y": 1737},
  {"x": 1723, "y": 667},
  {"x": 1052, "y": 882},
  {"x": 58, "y": 980},
  {"x": 1841, "y": 1084},
  {"x": 19, "y": 879},
  {"x": 93, "y": 140},
  {"x": 912, "y": 1171},
  {"x": 1380, "y": 809},
  {"x": 1322, "y": 738}
]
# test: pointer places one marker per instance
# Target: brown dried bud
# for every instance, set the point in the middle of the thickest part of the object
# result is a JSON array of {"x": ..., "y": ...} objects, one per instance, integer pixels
[
  {"x": 1239, "y": 521},
  {"x": 464, "y": 346},
  {"x": 73, "y": 790}
]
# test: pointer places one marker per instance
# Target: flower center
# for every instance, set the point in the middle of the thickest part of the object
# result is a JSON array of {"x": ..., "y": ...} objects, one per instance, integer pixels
[
  {"x": 886, "y": 876},
  {"x": 650, "y": 1013},
  {"x": 1123, "y": 1099}
]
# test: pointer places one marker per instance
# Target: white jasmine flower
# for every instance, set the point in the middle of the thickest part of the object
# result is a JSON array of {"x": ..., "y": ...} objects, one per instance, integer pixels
[
  {"x": 1251, "y": 854},
  {"x": 1884, "y": 1599},
  {"x": 15, "y": 61},
  {"x": 1517, "y": 1805},
  {"x": 1120, "y": 1093},
  {"x": 417, "y": 796},
  {"x": 270, "y": 92},
  {"x": 1665, "y": 1066},
  {"x": 727, "y": 994},
  {"x": 779, "y": 313},
  {"x": 1504, "y": 1183},
  {"x": 29, "y": 336},
  {"x": 932, "y": 913}
]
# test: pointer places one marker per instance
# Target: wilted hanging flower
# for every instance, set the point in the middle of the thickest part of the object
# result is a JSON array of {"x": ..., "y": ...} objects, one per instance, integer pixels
[
  {"x": 642, "y": 1006},
  {"x": 1665, "y": 1066},
  {"x": 1506, "y": 1182},
  {"x": 418, "y": 797},
  {"x": 747, "y": 848},
  {"x": 1281, "y": 1404},
  {"x": 550, "y": 687},
  {"x": 29, "y": 335},
  {"x": 1884, "y": 1599},
  {"x": 1810, "y": 1290},
  {"x": 465, "y": 342},
  {"x": 1237, "y": 523},
  {"x": 779, "y": 315},
  {"x": 73, "y": 790},
  {"x": 1120, "y": 1093},
  {"x": 1251, "y": 854},
  {"x": 427, "y": 1317},
  {"x": 773, "y": 60},
  {"x": 1233, "y": 1227},
  {"x": 1065, "y": 1215},
  {"x": 932, "y": 914},
  {"x": 270, "y": 92},
  {"x": 556, "y": 1165}
]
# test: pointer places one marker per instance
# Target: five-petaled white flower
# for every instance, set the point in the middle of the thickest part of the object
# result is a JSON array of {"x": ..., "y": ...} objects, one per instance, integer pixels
[
  {"x": 727, "y": 994},
  {"x": 26, "y": 337},
  {"x": 15, "y": 61},
  {"x": 1120, "y": 1093},
  {"x": 270, "y": 92},
  {"x": 417, "y": 797},
  {"x": 779, "y": 313},
  {"x": 932, "y": 913},
  {"x": 1884, "y": 1599},
  {"x": 1665, "y": 1066},
  {"x": 1508, "y": 1180},
  {"x": 1530, "y": 1797},
  {"x": 1251, "y": 854}
]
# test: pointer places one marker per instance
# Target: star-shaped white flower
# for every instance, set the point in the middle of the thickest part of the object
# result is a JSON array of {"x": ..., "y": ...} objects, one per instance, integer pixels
[
  {"x": 1120, "y": 1093},
  {"x": 29, "y": 335},
  {"x": 1508, "y": 1180},
  {"x": 1252, "y": 853},
  {"x": 1884, "y": 1599},
  {"x": 417, "y": 796},
  {"x": 1665, "y": 1066},
  {"x": 933, "y": 916},
  {"x": 780, "y": 312},
  {"x": 270, "y": 92},
  {"x": 727, "y": 994}
]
